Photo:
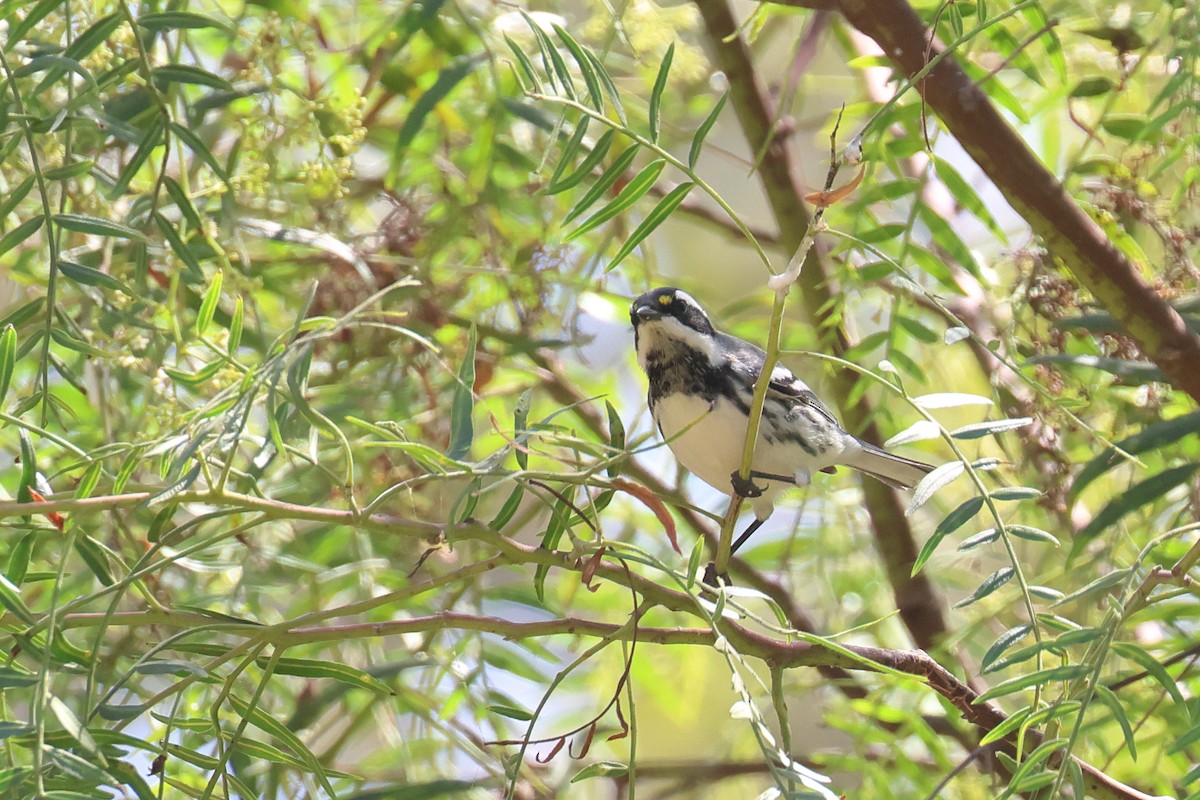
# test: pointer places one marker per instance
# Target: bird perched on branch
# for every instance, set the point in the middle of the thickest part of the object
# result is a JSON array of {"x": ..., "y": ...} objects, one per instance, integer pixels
[{"x": 701, "y": 387}]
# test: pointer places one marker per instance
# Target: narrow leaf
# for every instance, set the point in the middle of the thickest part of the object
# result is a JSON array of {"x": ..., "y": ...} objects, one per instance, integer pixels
[
  {"x": 1041, "y": 678},
  {"x": 939, "y": 477},
  {"x": 702, "y": 132},
  {"x": 586, "y": 68},
  {"x": 82, "y": 223},
  {"x": 989, "y": 585},
  {"x": 633, "y": 191},
  {"x": 660, "y": 86},
  {"x": 462, "y": 406},
  {"x": 950, "y": 400},
  {"x": 657, "y": 216},
  {"x": 208, "y": 306},
  {"x": 20, "y": 233},
  {"x": 1150, "y": 664},
  {"x": 593, "y": 158},
  {"x": 608, "y": 178},
  {"x": 8, "y": 359},
  {"x": 981, "y": 429},
  {"x": 1006, "y": 640}
]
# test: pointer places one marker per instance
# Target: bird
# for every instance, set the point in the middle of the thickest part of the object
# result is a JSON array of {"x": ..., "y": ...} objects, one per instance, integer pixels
[{"x": 701, "y": 383}]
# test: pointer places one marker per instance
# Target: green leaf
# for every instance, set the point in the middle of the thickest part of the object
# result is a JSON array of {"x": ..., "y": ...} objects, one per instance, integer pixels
[
  {"x": 93, "y": 555},
  {"x": 197, "y": 146},
  {"x": 525, "y": 64},
  {"x": 702, "y": 132},
  {"x": 1160, "y": 434},
  {"x": 570, "y": 150},
  {"x": 616, "y": 435},
  {"x": 186, "y": 73},
  {"x": 520, "y": 418},
  {"x": 986, "y": 536},
  {"x": 10, "y": 597},
  {"x": 1006, "y": 640},
  {"x": 949, "y": 400},
  {"x": 553, "y": 62},
  {"x": 550, "y": 539},
  {"x": 1151, "y": 665},
  {"x": 1043, "y": 677},
  {"x": 235, "y": 328},
  {"x": 1092, "y": 87},
  {"x": 208, "y": 305},
  {"x": 590, "y": 161},
  {"x": 1131, "y": 371},
  {"x": 151, "y": 139},
  {"x": 980, "y": 429},
  {"x": 32, "y": 17},
  {"x": 8, "y": 359},
  {"x": 1103, "y": 583},
  {"x": 1031, "y": 534},
  {"x": 657, "y": 216},
  {"x": 601, "y": 769},
  {"x": 1015, "y": 493},
  {"x": 447, "y": 79},
  {"x": 966, "y": 196},
  {"x": 660, "y": 86},
  {"x": 959, "y": 516},
  {"x": 91, "y": 277},
  {"x": 633, "y": 191},
  {"x": 14, "y": 197},
  {"x": 179, "y": 246},
  {"x": 82, "y": 223},
  {"x": 71, "y": 170},
  {"x": 177, "y": 20},
  {"x": 1117, "y": 709},
  {"x": 610, "y": 88},
  {"x": 1137, "y": 496},
  {"x": 586, "y": 68},
  {"x": 462, "y": 406},
  {"x": 608, "y": 178},
  {"x": 20, "y": 233},
  {"x": 512, "y": 712},
  {"x": 506, "y": 512},
  {"x": 989, "y": 585}
]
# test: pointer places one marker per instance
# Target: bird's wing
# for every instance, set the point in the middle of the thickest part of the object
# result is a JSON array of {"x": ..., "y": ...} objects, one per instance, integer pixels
[{"x": 748, "y": 360}]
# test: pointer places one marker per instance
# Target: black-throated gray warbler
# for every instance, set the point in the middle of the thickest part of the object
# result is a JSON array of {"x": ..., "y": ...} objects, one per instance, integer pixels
[{"x": 701, "y": 385}]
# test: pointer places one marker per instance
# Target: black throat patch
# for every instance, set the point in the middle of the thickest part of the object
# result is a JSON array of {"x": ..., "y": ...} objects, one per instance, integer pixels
[{"x": 674, "y": 367}]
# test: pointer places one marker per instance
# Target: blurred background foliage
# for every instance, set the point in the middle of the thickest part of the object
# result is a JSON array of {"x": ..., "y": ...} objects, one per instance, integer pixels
[{"x": 315, "y": 350}]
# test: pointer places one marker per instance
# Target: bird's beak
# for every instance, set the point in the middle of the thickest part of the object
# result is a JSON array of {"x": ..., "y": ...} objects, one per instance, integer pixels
[{"x": 647, "y": 313}]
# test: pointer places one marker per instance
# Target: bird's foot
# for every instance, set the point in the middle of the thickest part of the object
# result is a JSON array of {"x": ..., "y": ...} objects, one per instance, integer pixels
[
  {"x": 744, "y": 487},
  {"x": 711, "y": 578}
]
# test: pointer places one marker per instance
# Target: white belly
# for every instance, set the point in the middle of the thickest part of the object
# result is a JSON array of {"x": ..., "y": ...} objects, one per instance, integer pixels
[{"x": 708, "y": 442}]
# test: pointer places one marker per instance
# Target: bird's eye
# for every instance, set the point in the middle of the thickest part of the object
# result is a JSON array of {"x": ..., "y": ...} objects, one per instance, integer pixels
[{"x": 666, "y": 300}]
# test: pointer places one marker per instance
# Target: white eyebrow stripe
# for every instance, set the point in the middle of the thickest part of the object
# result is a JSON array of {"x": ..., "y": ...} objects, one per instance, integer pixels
[{"x": 689, "y": 300}]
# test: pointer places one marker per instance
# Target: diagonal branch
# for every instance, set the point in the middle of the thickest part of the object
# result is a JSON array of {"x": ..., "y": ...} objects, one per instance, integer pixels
[
  {"x": 1032, "y": 190},
  {"x": 919, "y": 605}
]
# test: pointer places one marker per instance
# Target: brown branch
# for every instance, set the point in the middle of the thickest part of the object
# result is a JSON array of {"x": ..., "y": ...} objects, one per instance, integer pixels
[
  {"x": 918, "y": 603},
  {"x": 780, "y": 654},
  {"x": 1032, "y": 190}
]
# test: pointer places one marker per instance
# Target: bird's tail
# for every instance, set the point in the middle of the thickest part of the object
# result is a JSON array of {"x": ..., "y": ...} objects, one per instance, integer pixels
[{"x": 896, "y": 471}]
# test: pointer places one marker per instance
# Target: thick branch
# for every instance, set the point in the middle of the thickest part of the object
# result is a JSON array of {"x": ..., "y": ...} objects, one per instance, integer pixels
[
  {"x": 1036, "y": 194},
  {"x": 751, "y": 643},
  {"x": 918, "y": 603}
]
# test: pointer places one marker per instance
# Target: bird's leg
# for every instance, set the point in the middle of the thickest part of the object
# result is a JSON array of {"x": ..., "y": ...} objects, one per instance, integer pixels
[
  {"x": 711, "y": 577},
  {"x": 744, "y": 487},
  {"x": 750, "y": 529},
  {"x": 771, "y": 476}
]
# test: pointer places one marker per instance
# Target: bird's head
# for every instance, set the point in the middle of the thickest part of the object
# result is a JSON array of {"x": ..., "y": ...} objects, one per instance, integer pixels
[{"x": 667, "y": 317}]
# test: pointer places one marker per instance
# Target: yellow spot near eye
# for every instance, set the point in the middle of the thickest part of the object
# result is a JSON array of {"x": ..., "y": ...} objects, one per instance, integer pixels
[{"x": 666, "y": 300}]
